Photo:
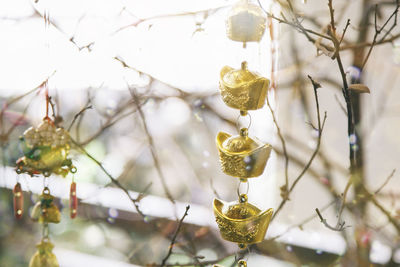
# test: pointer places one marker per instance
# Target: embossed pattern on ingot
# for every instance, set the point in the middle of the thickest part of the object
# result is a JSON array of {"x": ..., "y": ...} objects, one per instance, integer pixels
[
  {"x": 241, "y": 222},
  {"x": 242, "y": 89},
  {"x": 241, "y": 156}
]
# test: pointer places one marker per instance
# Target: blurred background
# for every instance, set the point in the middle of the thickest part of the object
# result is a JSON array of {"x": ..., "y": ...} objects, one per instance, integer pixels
[{"x": 142, "y": 76}]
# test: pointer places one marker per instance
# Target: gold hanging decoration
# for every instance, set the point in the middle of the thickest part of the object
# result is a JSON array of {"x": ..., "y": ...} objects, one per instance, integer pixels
[
  {"x": 246, "y": 22},
  {"x": 241, "y": 156},
  {"x": 243, "y": 89},
  {"x": 45, "y": 151},
  {"x": 44, "y": 256},
  {"x": 241, "y": 222},
  {"x": 44, "y": 210}
]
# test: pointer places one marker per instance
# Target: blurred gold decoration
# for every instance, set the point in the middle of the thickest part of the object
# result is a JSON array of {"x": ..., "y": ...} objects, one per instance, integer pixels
[
  {"x": 44, "y": 256},
  {"x": 44, "y": 210},
  {"x": 246, "y": 22},
  {"x": 241, "y": 263},
  {"x": 242, "y": 156},
  {"x": 45, "y": 151},
  {"x": 241, "y": 222},
  {"x": 243, "y": 89}
]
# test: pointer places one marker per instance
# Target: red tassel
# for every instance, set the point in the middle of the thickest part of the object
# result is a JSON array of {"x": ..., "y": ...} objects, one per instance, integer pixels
[
  {"x": 18, "y": 201},
  {"x": 73, "y": 201}
]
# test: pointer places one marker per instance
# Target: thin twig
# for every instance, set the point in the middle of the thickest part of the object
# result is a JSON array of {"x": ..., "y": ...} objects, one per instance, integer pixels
[
  {"x": 152, "y": 145},
  {"x": 302, "y": 223},
  {"x": 307, "y": 166},
  {"x": 285, "y": 188},
  {"x": 173, "y": 240},
  {"x": 113, "y": 180},
  {"x": 386, "y": 182},
  {"x": 77, "y": 115},
  {"x": 323, "y": 220},
  {"x": 379, "y": 30}
]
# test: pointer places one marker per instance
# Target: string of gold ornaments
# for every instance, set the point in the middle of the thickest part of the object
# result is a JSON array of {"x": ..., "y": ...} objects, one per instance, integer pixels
[
  {"x": 46, "y": 149},
  {"x": 242, "y": 156}
]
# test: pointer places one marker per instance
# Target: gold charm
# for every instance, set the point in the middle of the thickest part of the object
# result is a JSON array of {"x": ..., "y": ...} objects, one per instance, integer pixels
[
  {"x": 46, "y": 150},
  {"x": 243, "y": 89},
  {"x": 44, "y": 256},
  {"x": 246, "y": 23},
  {"x": 44, "y": 210},
  {"x": 241, "y": 222},
  {"x": 242, "y": 156}
]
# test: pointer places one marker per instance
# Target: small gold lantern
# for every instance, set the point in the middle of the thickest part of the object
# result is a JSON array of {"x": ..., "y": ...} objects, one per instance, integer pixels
[
  {"x": 246, "y": 22},
  {"x": 241, "y": 222},
  {"x": 242, "y": 156},
  {"x": 243, "y": 89}
]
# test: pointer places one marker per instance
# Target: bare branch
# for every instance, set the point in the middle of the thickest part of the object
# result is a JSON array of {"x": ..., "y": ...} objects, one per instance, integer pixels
[
  {"x": 307, "y": 166},
  {"x": 173, "y": 240}
]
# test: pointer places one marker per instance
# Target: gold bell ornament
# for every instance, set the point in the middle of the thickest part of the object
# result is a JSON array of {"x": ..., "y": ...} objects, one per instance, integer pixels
[
  {"x": 243, "y": 89},
  {"x": 242, "y": 156},
  {"x": 44, "y": 256},
  {"x": 246, "y": 22},
  {"x": 241, "y": 222},
  {"x": 44, "y": 210}
]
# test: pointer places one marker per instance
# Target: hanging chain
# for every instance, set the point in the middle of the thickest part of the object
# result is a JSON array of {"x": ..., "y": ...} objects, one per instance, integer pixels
[
  {"x": 45, "y": 231},
  {"x": 243, "y": 114},
  {"x": 243, "y": 195}
]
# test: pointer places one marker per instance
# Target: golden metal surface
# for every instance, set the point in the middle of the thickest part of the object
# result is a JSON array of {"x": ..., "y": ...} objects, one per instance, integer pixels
[
  {"x": 44, "y": 210},
  {"x": 243, "y": 89},
  {"x": 241, "y": 156},
  {"x": 246, "y": 23},
  {"x": 44, "y": 256},
  {"x": 241, "y": 223},
  {"x": 45, "y": 150}
]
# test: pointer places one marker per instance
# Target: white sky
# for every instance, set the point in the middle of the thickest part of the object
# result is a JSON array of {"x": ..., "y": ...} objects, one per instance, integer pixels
[{"x": 166, "y": 48}]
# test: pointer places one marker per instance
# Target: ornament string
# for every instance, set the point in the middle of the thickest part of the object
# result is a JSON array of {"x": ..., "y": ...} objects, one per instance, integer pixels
[
  {"x": 45, "y": 231},
  {"x": 239, "y": 193},
  {"x": 47, "y": 102},
  {"x": 243, "y": 115}
]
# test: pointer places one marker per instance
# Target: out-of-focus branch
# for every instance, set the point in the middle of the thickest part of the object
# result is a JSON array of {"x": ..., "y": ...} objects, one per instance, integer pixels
[
  {"x": 378, "y": 30},
  {"x": 339, "y": 227},
  {"x": 183, "y": 14},
  {"x": 80, "y": 113},
  {"x": 113, "y": 180},
  {"x": 386, "y": 182},
  {"x": 173, "y": 240},
  {"x": 320, "y": 129},
  {"x": 152, "y": 145},
  {"x": 285, "y": 187}
]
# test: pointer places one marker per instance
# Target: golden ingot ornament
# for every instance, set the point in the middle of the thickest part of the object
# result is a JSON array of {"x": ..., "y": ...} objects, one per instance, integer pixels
[
  {"x": 241, "y": 222},
  {"x": 45, "y": 151},
  {"x": 44, "y": 210},
  {"x": 243, "y": 89},
  {"x": 246, "y": 23},
  {"x": 44, "y": 256},
  {"x": 242, "y": 156}
]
